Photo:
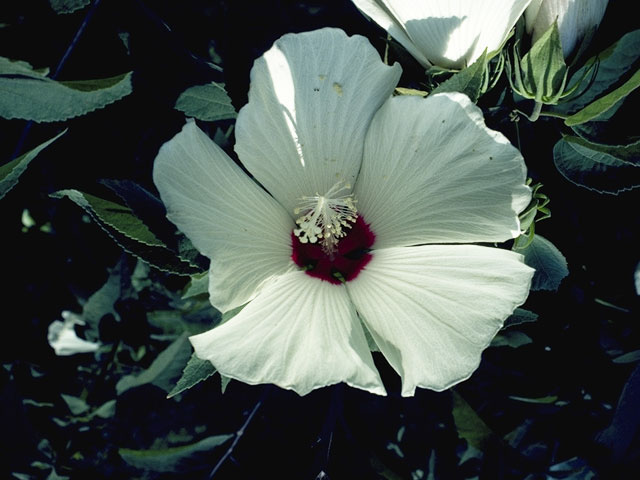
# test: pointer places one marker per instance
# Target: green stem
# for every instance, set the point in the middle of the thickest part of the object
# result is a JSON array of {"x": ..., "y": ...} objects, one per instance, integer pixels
[{"x": 535, "y": 114}]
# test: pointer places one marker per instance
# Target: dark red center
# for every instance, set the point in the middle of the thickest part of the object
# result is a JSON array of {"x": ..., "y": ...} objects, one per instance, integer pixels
[{"x": 345, "y": 263}]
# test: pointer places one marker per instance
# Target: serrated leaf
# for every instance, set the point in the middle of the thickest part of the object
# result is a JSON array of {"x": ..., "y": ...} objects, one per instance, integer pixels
[
  {"x": 206, "y": 102},
  {"x": 469, "y": 424},
  {"x": 128, "y": 231},
  {"x": 511, "y": 338},
  {"x": 68, "y": 6},
  {"x": 29, "y": 95},
  {"x": 469, "y": 81},
  {"x": 627, "y": 153},
  {"x": 10, "y": 172},
  {"x": 199, "y": 285},
  {"x": 550, "y": 264},
  {"x": 114, "y": 215},
  {"x": 196, "y": 371},
  {"x": 180, "y": 460},
  {"x": 151, "y": 212},
  {"x": 604, "y": 103},
  {"x": 594, "y": 170},
  {"x": 612, "y": 65},
  {"x": 520, "y": 316},
  {"x": 163, "y": 370}
]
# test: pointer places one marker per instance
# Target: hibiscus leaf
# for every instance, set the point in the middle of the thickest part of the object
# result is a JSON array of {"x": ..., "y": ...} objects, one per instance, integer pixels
[
  {"x": 129, "y": 232},
  {"x": 206, "y": 102},
  {"x": 77, "y": 406},
  {"x": 469, "y": 424},
  {"x": 151, "y": 211},
  {"x": 163, "y": 370},
  {"x": 611, "y": 66},
  {"x": 627, "y": 153},
  {"x": 550, "y": 264},
  {"x": 195, "y": 372},
  {"x": 520, "y": 316},
  {"x": 511, "y": 338},
  {"x": 598, "y": 171},
  {"x": 199, "y": 285},
  {"x": 68, "y": 6},
  {"x": 604, "y": 103},
  {"x": 182, "y": 459},
  {"x": 10, "y": 172},
  {"x": 29, "y": 95},
  {"x": 469, "y": 81},
  {"x": 102, "y": 302}
]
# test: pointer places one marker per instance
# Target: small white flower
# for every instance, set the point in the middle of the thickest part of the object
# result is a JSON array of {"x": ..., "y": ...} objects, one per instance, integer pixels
[
  {"x": 575, "y": 19},
  {"x": 359, "y": 190},
  {"x": 447, "y": 33},
  {"x": 63, "y": 339}
]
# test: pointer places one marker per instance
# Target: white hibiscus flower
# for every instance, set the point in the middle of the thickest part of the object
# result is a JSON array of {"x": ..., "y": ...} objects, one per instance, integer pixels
[
  {"x": 360, "y": 187},
  {"x": 447, "y": 33},
  {"x": 63, "y": 338}
]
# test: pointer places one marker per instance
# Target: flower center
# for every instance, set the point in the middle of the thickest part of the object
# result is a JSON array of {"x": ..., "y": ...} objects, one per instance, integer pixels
[
  {"x": 332, "y": 241},
  {"x": 325, "y": 218}
]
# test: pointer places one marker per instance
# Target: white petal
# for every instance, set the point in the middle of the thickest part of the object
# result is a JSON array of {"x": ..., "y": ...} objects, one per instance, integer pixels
[
  {"x": 311, "y": 100},
  {"x": 433, "y": 309},
  {"x": 452, "y": 33},
  {"x": 225, "y": 214},
  {"x": 434, "y": 173},
  {"x": 63, "y": 339},
  {"x": 379, "y": 13},
  {"x": 575, "y": 18},
  {"x": 300, "y": 333}
]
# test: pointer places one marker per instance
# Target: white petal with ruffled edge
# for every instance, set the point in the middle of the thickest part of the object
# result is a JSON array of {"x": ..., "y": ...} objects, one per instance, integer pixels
[
  {"x": 449, "y": 33},
  {"x": 433, "y": 309},
  {"x": 311, "y": 100},
  {"x": 380, "y": 14},
  {"x": 227, "y": 217},
  {"x": 434, "y": 173},
  {"x": 299, "y": 333}
]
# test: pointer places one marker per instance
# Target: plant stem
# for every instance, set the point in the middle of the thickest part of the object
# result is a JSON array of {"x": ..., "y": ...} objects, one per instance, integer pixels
[
  {"x": 63, "y": 60},
  {"x": 535, "y": 114},
  {"x": 240, "y": 433}
]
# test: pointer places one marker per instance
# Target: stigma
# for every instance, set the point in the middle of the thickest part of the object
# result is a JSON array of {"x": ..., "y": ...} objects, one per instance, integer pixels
[{"x": 325, "y": 219}]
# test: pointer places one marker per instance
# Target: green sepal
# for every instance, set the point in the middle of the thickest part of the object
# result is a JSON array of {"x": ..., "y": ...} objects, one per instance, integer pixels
[
  {"x": 536, "y": 211},
  {"x": 473, "y": 81},
  {"x": 541, "y": 74}
]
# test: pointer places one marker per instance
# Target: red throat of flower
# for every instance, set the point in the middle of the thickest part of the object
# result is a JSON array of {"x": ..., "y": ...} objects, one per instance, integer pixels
[{"x": 343, "y": 264}]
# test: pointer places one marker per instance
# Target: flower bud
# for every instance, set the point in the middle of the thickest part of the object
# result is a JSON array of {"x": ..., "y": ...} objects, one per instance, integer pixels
[{"x": 576, "y": 19}]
